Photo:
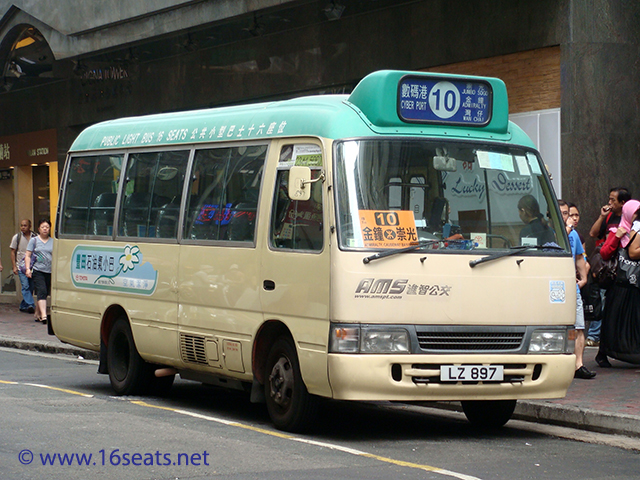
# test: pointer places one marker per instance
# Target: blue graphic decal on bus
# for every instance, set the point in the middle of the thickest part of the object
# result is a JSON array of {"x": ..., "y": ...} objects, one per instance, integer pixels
[{"x": 117, "y": 269}]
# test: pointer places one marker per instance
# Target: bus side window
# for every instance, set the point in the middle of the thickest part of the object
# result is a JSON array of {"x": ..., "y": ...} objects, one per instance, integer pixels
[
  {"x": 90, "y": 195},
  {"x": 295, "y": 224},
  {"x": 225, "y": 187},
  {"x": 151, "y": 202}
]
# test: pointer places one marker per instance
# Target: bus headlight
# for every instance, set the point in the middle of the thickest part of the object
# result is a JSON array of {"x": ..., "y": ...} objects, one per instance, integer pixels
[
  {"x": 551, "y": 341},
  {"x": 384, "y": 341},
  {"x": 368, "y": 339}
]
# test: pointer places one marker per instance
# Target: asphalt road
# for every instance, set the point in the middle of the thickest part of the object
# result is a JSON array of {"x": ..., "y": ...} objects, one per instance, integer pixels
[{"x": 60, "y": 420}]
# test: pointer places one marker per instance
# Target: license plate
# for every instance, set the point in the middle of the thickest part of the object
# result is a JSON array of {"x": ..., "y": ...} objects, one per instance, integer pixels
[{"x": 471, "y": 373}]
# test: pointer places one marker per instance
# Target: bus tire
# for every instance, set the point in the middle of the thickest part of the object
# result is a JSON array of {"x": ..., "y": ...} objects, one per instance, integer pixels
[
  {"x": 127, "y": 370},
  {"x": 289, "y": 404},
  {"x": 488, "y": 414}
]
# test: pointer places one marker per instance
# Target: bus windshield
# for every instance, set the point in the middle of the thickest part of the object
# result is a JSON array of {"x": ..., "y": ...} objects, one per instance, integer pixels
[{"x": 465, "y": 196}]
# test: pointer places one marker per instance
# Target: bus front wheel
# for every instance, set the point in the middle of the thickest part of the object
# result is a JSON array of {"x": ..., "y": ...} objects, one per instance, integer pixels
[
  {"x": 127, "y": 370},
  {"x": 290, "y": 405},
  {"x": 488, "y": 414}
]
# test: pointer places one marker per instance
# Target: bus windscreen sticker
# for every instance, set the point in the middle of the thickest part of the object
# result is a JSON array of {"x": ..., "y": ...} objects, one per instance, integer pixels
[
  {"x": 388, "y": 228},
  {"x": 557, "y": 293},
  {"x": 533, "y": 163},
  {"x": 305, "y": 155},
  {"x": 445, "y": 101},
  {"x": 116, "y": 269}
]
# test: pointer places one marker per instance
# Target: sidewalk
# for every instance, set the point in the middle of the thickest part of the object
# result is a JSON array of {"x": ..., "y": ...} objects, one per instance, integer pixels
[
  {"x": 19, "y": 330},
  {"x": 608, "y": 403}
]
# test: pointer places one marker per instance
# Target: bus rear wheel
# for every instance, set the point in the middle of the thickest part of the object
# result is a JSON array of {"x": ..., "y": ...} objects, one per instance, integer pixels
[
  {"x": 488, "y": 414},
  {"x": 127, "y": 370},
  {"x": 289, "y": 404}
]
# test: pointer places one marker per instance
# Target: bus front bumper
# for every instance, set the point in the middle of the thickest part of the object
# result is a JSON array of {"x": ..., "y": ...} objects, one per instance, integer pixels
[{"x": 417, "y": 377}]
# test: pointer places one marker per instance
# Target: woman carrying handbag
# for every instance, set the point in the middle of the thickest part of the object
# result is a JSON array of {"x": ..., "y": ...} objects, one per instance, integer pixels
[{"x": 620, "y": 335}]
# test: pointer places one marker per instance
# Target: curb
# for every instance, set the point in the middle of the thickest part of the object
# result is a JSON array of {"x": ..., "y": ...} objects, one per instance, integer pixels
[
  {"x": 547, "y": 413},
  {"x": 47, "y": 347},
  {"x": 579, "y": 418}
]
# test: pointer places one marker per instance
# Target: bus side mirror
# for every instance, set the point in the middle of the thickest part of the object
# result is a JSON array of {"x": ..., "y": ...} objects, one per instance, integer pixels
[{"x": 300, "y": 183}]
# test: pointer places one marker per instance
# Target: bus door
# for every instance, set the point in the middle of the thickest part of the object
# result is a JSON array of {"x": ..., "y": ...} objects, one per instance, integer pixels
[
  {"x": 147, "y": 234},
  {"x": 295, "y": 272},
  {"x": 219, "y": 263}
]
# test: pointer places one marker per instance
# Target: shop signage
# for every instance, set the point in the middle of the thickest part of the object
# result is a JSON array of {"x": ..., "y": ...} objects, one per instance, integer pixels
[{"x": 28, "y": 148}]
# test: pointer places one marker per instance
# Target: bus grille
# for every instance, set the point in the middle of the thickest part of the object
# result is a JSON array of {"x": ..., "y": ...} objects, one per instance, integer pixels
[
  {"x": 470, "y": 341},
  {"x": 192, "y": 349}
]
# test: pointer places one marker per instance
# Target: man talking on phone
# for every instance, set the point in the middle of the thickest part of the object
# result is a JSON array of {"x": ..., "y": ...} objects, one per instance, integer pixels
[{"x": 609, "y": 214}]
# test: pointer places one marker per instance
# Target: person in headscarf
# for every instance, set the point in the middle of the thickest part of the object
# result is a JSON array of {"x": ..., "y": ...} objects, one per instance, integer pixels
[
  {"x": 619, "y": 235},
  {"x": 620, "y": 334}
]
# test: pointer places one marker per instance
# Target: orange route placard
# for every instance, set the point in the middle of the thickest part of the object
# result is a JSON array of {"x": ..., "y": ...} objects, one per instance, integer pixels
[{"x": 388, "y": 228}]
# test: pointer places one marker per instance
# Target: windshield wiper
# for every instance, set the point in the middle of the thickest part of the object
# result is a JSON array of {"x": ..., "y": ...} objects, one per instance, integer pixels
[
  {"x": 514, "y": 251},
  {"x": 388, "y": 253}
]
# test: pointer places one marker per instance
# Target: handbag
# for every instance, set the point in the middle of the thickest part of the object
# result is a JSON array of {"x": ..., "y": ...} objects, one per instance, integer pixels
[
  {"x": 603, "y": 271},
  {"x": 591, "y": 300},
  {"x": 629, "y": 269}
]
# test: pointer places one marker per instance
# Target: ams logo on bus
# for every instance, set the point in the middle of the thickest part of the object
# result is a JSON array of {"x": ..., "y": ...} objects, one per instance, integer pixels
[{"x": 396, "y": 288}]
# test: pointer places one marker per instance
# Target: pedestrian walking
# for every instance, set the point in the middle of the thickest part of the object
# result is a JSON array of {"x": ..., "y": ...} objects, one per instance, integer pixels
[
  {"x": 18, "y": 247},
  {"x": 38, "y": 266}
]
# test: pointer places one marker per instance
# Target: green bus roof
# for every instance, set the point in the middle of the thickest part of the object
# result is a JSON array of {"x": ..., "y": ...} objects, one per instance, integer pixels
[{"x": 373, "y": 108}]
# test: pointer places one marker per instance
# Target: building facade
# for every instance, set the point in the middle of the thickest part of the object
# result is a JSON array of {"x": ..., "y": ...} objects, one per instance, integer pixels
[{"x": 571, "y": 69}]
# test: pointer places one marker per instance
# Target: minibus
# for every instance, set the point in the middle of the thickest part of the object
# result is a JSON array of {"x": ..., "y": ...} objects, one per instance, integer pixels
[{"x": 400, "y": 243}]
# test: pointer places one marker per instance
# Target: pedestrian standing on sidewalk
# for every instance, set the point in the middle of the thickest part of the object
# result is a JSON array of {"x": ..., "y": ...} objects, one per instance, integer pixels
[
  {"x": 574, "y": 213},
  {"x": 40, "y": 247},
  {"x": 609, "y": 217},
  {"x": 18, "y": 247},
  {"x": 620, "y": 336},
  {"x": 609, "y": 214},
  {"x": 581, "y": 279}
]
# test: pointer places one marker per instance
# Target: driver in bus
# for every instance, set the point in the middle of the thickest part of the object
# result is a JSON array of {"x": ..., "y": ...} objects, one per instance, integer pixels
[{"x": 536, "y": 226}]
